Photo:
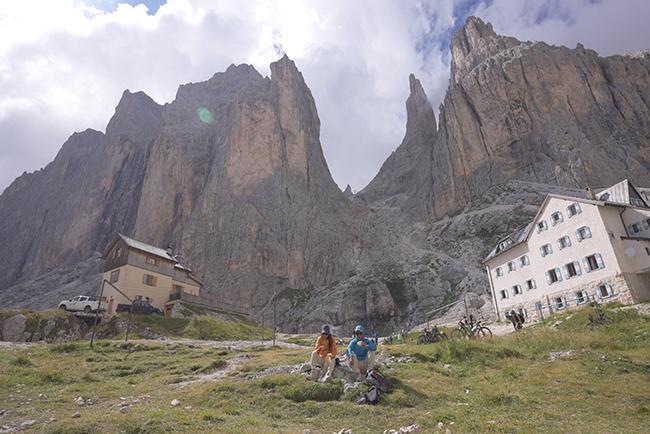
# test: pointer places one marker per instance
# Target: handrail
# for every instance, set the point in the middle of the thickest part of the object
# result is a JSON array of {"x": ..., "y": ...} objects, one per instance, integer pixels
[{"x": 99, "y": 305}]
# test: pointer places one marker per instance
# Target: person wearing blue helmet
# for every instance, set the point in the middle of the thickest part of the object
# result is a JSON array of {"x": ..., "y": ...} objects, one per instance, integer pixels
[{"x": 361, "y": 353}]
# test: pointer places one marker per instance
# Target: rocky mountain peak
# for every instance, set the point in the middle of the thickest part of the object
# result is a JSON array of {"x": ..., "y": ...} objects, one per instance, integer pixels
[
  {"x": 285, "y": 69},
  {"x": 474, "y": 43},
  {"x": 137, "y": 116},
  {"x": 418, "y": 108},
  {"x": 348, "y": 192}
]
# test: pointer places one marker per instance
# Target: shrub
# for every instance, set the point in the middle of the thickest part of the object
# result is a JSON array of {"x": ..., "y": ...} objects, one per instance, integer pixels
[
  {"x": 206, "y": 327},
  {"x": 306, "y": 391},
  {"x": 214, "y": 365},
  {"x": 67, "y": 348},
  {"x": 21, "y": 361},
  {"x": 53, "y": 378}
]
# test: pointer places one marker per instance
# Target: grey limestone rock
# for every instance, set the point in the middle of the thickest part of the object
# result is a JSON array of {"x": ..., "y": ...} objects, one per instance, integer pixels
[{"x": 233, "y": 175}]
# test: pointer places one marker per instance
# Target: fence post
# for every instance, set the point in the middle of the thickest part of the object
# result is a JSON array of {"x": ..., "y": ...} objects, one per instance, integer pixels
[
  {"x": 99, "y": 306},
  {"x": 274, "y": 318},
  {"x": 465, "y": 303}
]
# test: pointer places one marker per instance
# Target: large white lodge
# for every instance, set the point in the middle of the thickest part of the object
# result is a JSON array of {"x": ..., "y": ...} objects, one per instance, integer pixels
[{"x": 574, "y": 251}]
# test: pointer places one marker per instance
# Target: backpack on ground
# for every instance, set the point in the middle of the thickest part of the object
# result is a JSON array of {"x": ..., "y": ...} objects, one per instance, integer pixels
[
  {"x": 370, "y": 397},
  {"x": 375, "y": 379}
]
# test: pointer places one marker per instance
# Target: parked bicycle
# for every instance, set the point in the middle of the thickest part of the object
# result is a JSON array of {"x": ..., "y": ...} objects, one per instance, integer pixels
[
  {"x": 470, "y": 329},
  {"x": 431, "y": 336}
]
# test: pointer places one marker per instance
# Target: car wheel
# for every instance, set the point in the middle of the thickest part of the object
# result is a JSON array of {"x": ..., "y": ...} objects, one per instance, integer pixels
[
  {"x": 62, "y": 307},
  {"x": 87, "y": 309}
]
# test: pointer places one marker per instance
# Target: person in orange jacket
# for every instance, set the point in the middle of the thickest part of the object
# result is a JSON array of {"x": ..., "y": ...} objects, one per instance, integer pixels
[{"x": 324, "y": 355}]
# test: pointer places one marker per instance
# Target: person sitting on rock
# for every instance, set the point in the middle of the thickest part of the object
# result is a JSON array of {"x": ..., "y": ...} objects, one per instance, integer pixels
[
  {"x": 324, "y": 356},
  {"x": 361, "y": 353}
]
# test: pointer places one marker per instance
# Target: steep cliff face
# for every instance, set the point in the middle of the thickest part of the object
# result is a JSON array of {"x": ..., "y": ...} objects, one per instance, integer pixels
[
  {"x": 407, "y": 172},
  {"x": 232, "y": 174},
  {"x": 246, "y": 193},
  {"x": 55, "y": 217},
  {"x": 530, "y": 111}
]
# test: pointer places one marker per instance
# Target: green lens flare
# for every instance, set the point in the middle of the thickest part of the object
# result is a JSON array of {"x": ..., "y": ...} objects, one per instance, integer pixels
[{"x": 205, "y": 115}]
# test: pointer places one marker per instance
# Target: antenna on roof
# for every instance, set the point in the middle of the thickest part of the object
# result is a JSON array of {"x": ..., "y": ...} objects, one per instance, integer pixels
[{"x": 590, "y": 193}]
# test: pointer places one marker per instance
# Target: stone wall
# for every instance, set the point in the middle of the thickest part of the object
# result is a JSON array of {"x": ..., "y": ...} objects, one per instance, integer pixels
[{"x": 620, "y": 292}]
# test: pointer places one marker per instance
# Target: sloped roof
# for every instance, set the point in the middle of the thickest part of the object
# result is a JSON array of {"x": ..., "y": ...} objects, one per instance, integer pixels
[
  {"x": 517, "y": 237},
  {"x": 623, "y": 192},
  {"x": 147, "y": 248}
]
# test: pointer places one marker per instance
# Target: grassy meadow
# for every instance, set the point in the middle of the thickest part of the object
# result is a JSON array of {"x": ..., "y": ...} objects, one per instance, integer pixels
[{"x": 507, "y": 384}]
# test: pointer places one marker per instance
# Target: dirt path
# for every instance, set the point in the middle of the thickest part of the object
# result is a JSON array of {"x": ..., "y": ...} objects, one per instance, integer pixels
[
  {"x": 217, "y": 374},
  {"x": 233, "y": 345}
]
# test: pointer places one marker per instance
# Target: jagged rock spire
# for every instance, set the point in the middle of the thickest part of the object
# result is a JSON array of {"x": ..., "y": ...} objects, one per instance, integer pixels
[{"x": 472, "y": 44}]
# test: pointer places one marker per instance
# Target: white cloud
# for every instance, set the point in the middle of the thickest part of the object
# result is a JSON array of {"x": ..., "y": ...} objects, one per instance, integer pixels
[{"x": 65, "y": 63}]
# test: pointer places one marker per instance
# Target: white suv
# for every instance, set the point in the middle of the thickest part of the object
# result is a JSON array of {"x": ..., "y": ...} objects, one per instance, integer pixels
[{"x": 80, "y": 303}]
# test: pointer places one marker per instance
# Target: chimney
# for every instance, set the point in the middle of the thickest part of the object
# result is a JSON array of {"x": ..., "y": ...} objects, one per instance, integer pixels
[
  {"x": 170, "y": 250},
  {"x": 590, "y": 193}
]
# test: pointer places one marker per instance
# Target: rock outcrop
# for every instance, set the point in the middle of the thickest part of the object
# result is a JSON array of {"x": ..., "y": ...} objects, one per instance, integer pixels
[
  {"x": 233, "y": 175},
  {"x": 530, "y": 111}
]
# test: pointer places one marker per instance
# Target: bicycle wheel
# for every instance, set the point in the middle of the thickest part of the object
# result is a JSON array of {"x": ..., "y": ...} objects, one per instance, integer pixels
[
  {"x": 458, "y": 335},
  {"x": 484, "y": 332}
]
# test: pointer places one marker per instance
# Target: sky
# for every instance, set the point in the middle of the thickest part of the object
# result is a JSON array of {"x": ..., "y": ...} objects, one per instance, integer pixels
[{"x": 65, "y": 63}]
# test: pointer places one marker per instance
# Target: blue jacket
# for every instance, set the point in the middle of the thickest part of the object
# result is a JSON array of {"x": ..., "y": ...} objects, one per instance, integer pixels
[{"x": 361, "y": 353}]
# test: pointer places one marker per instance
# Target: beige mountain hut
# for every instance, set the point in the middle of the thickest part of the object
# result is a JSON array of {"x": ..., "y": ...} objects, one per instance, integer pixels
[
  {"x": 142, "y": 271},
  {"x": 577, "y": 249}
]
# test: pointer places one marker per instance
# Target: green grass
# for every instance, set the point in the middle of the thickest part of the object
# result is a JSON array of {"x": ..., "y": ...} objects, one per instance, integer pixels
[
  {"x": 507, "y": 384},
  {"x": 207, "y": 327},
  {"x": 235, "y": 327}
]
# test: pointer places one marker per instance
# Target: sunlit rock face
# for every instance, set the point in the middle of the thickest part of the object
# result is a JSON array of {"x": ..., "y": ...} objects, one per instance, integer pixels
[
  {"x": 232, "y": 174},
  {"x": 529, "y": 111}
]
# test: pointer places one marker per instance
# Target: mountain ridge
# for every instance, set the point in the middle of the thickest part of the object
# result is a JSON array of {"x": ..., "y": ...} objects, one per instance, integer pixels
[{"x": 233, "y": 174}]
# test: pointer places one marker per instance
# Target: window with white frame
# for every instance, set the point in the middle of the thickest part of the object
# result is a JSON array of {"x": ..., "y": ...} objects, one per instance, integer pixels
[
  {"x": 511, "y": 266},
  {"x": 593, "y": 262},
  {"x": 556, "y": 218},
  {"x": 524, "y": 260},
  {"x": 583, "y": 233},
  {"x": 572, "y": 269},
  {"x": 564, "y": 242},
  {"x": 573, "y": 209},
  {"x": 546, "y": 249},
  {"x": 560, "y": 302},
  {"x": 530, "y": 284},
  {"x": 634, "y": 228},
  {"x": 516, "y": 290},
  {"x": 604, "y": 290},
  {"x": 553, "y": 275},
  {"x": 498, "y": 271},
  {"x": 504, "y": 294},
  {"x": 541, "y": 226},
  {"x": 581, "y": 297},
  {"x": 503, "y": 245}
]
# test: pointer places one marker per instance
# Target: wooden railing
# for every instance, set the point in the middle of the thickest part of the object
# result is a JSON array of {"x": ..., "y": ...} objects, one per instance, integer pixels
[{"x": 207, "y": 299}]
